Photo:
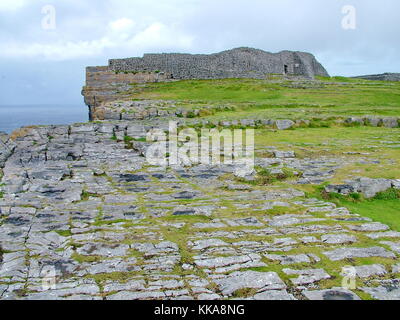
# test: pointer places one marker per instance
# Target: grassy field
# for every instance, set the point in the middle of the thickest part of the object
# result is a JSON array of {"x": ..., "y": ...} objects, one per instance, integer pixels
[
  {"x": 325, "y": 98},
  {"x": 274, "y": 98},
  {"x": 385, "y": 211}
]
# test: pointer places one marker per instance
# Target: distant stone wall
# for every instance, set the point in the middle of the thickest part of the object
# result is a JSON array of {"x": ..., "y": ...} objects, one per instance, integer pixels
[
  {"x": 381, "y": 77},
  {"x": 236, "y": 63}
]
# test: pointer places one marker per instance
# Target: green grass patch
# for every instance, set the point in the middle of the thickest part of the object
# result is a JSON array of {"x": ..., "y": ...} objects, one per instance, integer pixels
[
  {"x": 64, "y": 233},
  {"x": 384, "y": 207},
  {"x": 270, "y": 98}
]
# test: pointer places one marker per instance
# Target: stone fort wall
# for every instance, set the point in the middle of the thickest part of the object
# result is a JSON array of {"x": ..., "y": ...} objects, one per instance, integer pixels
[{"x": 236, "y": 63}]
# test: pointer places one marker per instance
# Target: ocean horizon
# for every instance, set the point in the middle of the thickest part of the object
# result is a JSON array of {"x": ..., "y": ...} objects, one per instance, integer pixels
[{"x": 15, "y": 116}]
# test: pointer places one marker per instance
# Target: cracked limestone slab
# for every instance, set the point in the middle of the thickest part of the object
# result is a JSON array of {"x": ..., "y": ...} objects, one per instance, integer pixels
[
  {"x": 248, "y": 222},
  {"x": 291, "y": 219},
  {"x": 387, "y": 290},
  {"x": 395, "y": 246},
  {"x": 370, "y": 270},
  {"x": 101, "y": 249},
  {"x": 331, "y": 294},
  {"x": 289, "y": 259},
  {"x": 204, "y": 244},
  {"x": 307, "y": 276},
  {"x": 250, "y": 279},
  {"x": 210, "y": 225},
  {"x": 387, "y": 234},
  {"x": 368, "y": 227},
  {"x": 338, "y": 238},
  {"x": 345, "y": 253},
  {"x": 273, "y": 295},
  {"x": 133, "y": 285},
  {"x": 218, "y": 262},
  {"x": 141, "y": 295}
]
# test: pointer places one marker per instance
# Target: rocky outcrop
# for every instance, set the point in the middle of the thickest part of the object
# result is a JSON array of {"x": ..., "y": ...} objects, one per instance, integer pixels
[
  {"x": 6, "y": 148},
  {"x": 388, "y": 122},
  {"x": 381, "y": 77},
  {"x": 368, "y": 187},
  {"x": 104, "y": 85}
]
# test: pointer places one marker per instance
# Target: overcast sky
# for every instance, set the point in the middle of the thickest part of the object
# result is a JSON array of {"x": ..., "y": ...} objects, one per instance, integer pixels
[{"x": 43, "y": 63}]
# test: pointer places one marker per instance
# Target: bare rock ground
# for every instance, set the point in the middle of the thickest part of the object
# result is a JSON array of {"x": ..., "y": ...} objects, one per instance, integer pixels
[{"x": 82, "y": 209}]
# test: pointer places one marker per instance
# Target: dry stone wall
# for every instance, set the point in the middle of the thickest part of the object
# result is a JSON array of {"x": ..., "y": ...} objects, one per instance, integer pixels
[
  {"x": 236, "y": 63},
  {"x": 381, "y": 77}
]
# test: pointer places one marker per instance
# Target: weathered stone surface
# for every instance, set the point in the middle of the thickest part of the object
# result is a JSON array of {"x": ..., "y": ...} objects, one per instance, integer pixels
[
  {"x": 374, "y": 226},
  {"x": 387, "y": 76},
  {"x": 289, "y": 259},
  {"x": 344, "y": 253},
  {"x": 338, "y": 238},
  {"x": 274, "y": 295},
  {"x": 368, "y": 187},
  {"x": 284, "y": 124},
  {"x": 390, "y": 122},
  {"x": 388, "y": 290},
  {"x": 84, "y": 206},
  {"x": 226, "y": 261},
  {"x": 204, "y": 244},
  {"x": 284, "y": 154},
  {"x": 240, "y": 62},
  {"x": 387, "y": 234},
  {"x": 395, "y": 246},
  {"x": 250, "y": 279},
  {"x": 307, "y": 276},
  {"x": 145, "y": 295},
  {"x": 331, "y": 294},
  {"x": 370, "y": 270}
]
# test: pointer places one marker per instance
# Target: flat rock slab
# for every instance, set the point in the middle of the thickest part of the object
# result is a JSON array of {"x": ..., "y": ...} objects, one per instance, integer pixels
[
  {"x": 338, "y": 238},
  {"x": 345, "y": 253},
  {"x": 370, "y": 270},
  {"x": 388, "y": 290},
  {"x": 129, "y": 295},
  {"x": 211, "y": 225},
  {"x": 250, "y": 279},
  {"x": 289, "y": 259},
  {"x": 273, "y": 295},
  {"x": 395, "y": 246},
  {"x": 100, "y": 249},
  {"x": 284, "y": 124},
  {"x": 208, "y": 243},
  {"x": 331, "y": 294},
  {"x": 307, "y": 276},
  {"x": 374, "y": 226},
  {"x": 387, "y": 234},
  {"x": 134, "y": 285},
  {"x": 226, "y": 261}
]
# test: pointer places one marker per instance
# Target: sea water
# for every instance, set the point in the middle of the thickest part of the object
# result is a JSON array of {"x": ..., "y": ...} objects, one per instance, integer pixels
[{"x": 15, "y": 116}]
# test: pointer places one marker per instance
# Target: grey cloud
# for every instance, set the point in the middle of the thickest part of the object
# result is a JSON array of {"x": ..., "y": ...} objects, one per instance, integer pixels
[{"x": 83, "y": 37}]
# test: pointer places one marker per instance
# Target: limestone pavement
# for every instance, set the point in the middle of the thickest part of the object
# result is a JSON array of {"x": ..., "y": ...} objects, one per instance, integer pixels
[{"x": 83, "y": 216}]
